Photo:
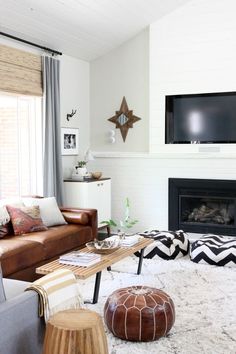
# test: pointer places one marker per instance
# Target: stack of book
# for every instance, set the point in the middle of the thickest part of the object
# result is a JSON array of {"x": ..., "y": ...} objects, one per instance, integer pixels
[
  {"x": 81, "y": 259},
  {"x": 129, "y": 241}
]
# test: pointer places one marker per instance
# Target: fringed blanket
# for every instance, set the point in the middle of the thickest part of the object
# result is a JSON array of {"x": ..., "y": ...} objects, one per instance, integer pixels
[{"x": 57, "y": 291}]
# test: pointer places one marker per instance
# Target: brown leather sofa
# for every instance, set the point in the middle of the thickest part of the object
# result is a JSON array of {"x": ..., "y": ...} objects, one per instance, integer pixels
[{"x": 20, "y": 255}]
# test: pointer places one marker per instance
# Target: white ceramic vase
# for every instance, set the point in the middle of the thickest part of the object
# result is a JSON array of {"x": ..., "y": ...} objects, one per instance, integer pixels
[{"x": 81, "y": 171}]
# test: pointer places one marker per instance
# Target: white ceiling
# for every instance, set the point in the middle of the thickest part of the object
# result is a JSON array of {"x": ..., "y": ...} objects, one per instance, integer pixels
[{"x": 84, "y": 29}]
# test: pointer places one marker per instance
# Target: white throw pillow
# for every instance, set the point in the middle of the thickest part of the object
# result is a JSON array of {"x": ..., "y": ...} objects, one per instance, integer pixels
[
  {"x": 50, "y": 213},
  {"x": 4, "y": 215}
]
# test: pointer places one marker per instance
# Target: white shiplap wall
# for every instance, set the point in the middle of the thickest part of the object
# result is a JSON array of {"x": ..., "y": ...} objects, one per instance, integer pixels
[
  {"x": 123, "y": 72},
  {"x": 192, "y": 50},
  {"x": 145, "y": 182}
]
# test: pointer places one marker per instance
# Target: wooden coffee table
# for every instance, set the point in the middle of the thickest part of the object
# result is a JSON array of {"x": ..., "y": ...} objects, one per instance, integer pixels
[{"x": 107, "y": 260}]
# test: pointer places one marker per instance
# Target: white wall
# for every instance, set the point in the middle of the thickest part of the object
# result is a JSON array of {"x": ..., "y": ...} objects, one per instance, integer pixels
[
  {"x": 145, "y": 182},
  {"x": 75, "y": 95},
  {"x": 122, "y": 72},
  {"x": 192, "y": 50}
]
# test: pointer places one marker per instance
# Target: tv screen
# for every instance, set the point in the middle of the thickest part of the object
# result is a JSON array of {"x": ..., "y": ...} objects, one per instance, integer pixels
[{"x": 201, "y": 118}]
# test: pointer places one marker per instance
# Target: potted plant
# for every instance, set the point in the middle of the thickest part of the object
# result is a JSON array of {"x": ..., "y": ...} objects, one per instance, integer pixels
[
  {"x": 81, "y": 169},
  {"x": 122, "y": 225}
]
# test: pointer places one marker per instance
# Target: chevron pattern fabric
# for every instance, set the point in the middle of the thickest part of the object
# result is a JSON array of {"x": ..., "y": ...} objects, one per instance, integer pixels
[
  {"x": 215, "y": 250},
  {"x": 167, "y": 244}
]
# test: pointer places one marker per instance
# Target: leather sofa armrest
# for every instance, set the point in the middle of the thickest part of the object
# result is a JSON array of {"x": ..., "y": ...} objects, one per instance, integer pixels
[
  {"x": 90, "y": 213},
  {"x": 76, "y": 218}
]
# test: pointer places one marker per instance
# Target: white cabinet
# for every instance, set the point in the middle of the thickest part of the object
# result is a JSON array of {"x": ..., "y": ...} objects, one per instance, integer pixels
[{"x": 90, "y": 194}]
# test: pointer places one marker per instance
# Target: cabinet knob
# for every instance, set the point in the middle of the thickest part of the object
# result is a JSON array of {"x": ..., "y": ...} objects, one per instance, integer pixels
[
  {"x": 98, "y": 184},
  {"x": 101, "y": 184}
]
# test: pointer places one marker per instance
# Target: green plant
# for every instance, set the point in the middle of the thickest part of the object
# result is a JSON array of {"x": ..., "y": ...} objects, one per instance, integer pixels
[
  {"x": 81, "y": 164},
  {"x": 127, "y": 223}
]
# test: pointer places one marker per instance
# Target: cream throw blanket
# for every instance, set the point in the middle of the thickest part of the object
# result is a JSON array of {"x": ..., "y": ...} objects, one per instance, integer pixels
[{"x": 57, "y": 291}]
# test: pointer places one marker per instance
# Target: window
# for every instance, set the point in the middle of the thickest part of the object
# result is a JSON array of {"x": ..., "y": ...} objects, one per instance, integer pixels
[{"x": 20, "y": 145}]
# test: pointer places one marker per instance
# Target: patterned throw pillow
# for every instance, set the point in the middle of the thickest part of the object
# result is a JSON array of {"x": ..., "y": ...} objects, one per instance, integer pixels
[
  {"x": 26, "y": 219},
  {"x": 5, "y": 224}
]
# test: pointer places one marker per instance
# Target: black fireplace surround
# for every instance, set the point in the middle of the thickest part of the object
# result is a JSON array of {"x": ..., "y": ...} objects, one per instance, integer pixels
[{"x": 202, "y": 205}]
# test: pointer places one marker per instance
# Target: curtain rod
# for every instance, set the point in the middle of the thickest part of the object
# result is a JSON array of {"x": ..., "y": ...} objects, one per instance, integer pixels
[{"x": 30, "y": 43}]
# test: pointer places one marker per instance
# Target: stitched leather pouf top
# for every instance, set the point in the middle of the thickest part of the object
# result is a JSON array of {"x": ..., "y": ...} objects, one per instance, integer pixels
[{"x": 139, "y": 313}]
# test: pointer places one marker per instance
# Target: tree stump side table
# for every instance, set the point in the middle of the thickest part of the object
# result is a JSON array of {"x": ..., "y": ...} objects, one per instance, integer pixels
[{"x": 77, "y": 331}]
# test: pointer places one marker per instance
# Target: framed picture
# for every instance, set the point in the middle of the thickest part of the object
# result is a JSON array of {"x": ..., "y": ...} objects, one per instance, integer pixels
[{"x": 69, "y": 141}]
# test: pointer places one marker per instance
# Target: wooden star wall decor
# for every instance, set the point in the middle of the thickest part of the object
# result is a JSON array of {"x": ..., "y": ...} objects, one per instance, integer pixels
[{"x": 124, "y": 119}]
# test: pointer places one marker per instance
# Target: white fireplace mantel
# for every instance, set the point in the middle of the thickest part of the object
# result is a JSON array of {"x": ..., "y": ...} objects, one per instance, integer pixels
[{"x": 163, "y": 155}]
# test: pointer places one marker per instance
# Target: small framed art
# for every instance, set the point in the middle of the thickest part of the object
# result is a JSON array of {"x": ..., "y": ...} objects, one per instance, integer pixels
[{"x": 69, "y": 141}]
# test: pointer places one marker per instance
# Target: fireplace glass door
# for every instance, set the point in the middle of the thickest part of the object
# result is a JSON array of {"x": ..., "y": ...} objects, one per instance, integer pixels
[
  {"x": 207, "y": 210},
  {"x": 202, "y": 205}
]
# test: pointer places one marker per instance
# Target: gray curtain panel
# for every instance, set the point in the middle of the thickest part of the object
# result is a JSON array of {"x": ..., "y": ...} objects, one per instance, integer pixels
[{"x": 53, "y": 180}]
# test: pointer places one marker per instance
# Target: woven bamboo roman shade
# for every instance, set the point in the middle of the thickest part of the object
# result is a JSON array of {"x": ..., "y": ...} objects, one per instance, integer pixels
[{"x": 20, "y": 72}]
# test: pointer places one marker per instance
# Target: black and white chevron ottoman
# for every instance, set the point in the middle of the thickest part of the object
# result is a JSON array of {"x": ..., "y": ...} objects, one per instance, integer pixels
[
  {"x": 215, "y": 250},
  {"x": 167, "y": 244}
]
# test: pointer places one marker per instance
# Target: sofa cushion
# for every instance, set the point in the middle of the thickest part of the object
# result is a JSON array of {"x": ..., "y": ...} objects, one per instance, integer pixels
[
  {"x": 50, "y": 213},
  {"x": 26, "y": 219},
  {"x": 17, "y": 254},
  {"x": 59, "y": 239}
]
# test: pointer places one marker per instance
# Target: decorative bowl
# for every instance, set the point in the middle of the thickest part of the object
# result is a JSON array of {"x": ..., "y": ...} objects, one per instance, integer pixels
[
  {"x": 103, "y": 247},
  {"x": 96, "y": 175}
]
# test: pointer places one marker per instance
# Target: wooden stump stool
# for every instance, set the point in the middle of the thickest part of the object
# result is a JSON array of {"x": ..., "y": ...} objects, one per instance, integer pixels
[{"x": 75, "y": 332}]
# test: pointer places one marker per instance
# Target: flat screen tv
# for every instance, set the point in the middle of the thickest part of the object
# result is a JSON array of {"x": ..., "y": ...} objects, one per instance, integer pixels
[{"x": 201, "y": 118}]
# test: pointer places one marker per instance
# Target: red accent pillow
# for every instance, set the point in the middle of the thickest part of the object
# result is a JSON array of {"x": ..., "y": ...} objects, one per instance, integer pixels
[{"x": 26, "y": 219}]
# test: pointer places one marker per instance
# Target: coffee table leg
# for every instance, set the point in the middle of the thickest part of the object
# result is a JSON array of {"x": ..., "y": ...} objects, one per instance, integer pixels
[
  {"x": 140, "y": 261},
  {"x": 97, "y": 287}
]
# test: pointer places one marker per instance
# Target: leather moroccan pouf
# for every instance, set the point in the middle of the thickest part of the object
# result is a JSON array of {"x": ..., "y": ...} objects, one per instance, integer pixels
[{"x": 139, "y": 313}]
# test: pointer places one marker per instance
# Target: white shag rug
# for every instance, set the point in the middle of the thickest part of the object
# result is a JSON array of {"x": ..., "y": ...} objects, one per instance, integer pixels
[{"x": 204, "y": 298}]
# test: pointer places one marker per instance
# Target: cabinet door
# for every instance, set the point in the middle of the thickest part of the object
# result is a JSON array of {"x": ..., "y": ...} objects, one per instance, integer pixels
[
  {"x": 99, "y": 197},
  {"x": 76, "y": 194}
]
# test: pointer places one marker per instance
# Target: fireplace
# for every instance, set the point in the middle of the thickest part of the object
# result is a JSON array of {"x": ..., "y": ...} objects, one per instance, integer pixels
[{"x": 202, "y": 205}]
